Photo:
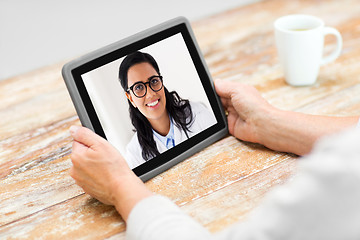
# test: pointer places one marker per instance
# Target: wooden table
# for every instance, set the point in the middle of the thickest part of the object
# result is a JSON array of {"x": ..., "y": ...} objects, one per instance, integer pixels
[{"x": 217, "y": 186}]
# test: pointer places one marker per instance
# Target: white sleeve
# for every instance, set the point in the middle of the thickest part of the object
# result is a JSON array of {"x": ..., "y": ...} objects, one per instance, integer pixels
[
  {"x": 321, "y": 202},
  {"x": 157, "y": 218},
  {"x": 358, "y": 125}
]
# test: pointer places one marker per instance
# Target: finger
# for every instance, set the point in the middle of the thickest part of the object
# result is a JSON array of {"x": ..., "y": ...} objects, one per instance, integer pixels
[
  {"x": 85, "y": 136},
  {"x": 236, "y": 126},
  {"x": 226, "y": 102},
  {"x": 224, "y": 88},
  {"x": 81, "y": 179},
  {"x": 231, "y": 122},
  {"x": 78, "y": 147},
  {"x": 78, "y": 153}
]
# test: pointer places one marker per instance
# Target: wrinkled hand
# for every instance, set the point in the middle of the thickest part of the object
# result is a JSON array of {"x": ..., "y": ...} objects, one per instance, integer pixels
[
  {"x": 97, "y": 166},
  {"x": 103, "y": 173},
  {"x": 245, "y": 107}
]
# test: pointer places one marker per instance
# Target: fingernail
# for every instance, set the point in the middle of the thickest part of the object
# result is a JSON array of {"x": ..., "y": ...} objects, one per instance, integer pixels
[{"x": 73, "y": 129}]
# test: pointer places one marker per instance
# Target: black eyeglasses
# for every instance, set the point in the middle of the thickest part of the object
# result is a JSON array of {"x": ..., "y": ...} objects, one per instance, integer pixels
[{"x": 139, "y": 88}]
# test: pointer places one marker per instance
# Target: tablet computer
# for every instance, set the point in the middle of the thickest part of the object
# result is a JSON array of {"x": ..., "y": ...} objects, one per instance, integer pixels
[{"x": 150, "y": 95}]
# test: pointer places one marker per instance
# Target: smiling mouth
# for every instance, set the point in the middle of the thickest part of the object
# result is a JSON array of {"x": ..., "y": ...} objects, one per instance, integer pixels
[{"x": 153, "y": 104}]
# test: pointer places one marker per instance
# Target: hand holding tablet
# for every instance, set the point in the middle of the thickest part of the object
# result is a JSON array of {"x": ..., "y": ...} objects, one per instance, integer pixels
[{"x": 150, "y": 95}]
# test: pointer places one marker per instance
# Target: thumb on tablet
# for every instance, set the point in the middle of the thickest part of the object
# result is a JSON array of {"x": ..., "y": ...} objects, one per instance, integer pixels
[
  {"x": 224, "y": 88},
  {"x": 84, "y": 135}
]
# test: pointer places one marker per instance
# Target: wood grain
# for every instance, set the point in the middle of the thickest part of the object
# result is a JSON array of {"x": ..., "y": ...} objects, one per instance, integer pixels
[
  {"x": 35, "y": 147},
  {"x": 221, "y": 208},
  {"x": 221, "y": 184},
  {"x": 32, "y": 101},
  {"x": 85, "y": 217},
  {"x": 80, "y": 217}
]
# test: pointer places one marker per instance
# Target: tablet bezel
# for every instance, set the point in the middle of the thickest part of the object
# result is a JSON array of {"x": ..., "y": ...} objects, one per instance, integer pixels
[{"x": 73, "y": 70}]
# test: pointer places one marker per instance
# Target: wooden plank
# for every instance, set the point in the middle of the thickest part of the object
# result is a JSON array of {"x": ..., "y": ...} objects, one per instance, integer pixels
[
  {"x": 222, "y": 208},
  {"x": 26, "y": 86},
  {"x": 32, "y": 101},
  {"x": 81, "y": 217},
  {"x": 36, "y": 147},
  {"x": 36, "y": 189},
  {"x": 87, "y": 218},
  {"x": 342, "y": 103}
]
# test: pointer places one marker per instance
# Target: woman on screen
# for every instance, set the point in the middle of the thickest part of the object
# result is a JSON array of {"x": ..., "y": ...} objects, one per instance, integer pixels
[{"x": 162, "y": 119}]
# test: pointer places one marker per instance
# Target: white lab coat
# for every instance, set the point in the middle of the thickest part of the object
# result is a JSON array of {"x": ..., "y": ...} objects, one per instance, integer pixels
[{"x": 202, "y": 119}]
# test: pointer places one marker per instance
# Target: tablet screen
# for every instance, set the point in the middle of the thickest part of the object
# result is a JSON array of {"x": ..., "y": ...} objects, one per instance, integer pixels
[{"x": 151, "y": 99}]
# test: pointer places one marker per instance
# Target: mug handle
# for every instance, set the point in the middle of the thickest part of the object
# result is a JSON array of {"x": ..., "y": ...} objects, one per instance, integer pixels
[{"x": 335, "y": 54}]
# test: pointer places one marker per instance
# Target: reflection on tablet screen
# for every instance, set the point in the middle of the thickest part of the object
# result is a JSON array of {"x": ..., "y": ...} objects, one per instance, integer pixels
[{"x": 150, "y": 100}]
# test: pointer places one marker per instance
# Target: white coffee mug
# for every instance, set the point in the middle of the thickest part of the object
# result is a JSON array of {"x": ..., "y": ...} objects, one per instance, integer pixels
[{"x": 300, "y": 42}]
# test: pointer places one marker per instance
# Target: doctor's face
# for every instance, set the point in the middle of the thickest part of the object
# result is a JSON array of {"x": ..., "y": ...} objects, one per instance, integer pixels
[{"x": 153, "y": 104}]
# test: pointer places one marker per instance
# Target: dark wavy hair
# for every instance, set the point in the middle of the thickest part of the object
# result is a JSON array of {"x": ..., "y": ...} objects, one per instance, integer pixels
[{"x": 178, "y": 108}]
